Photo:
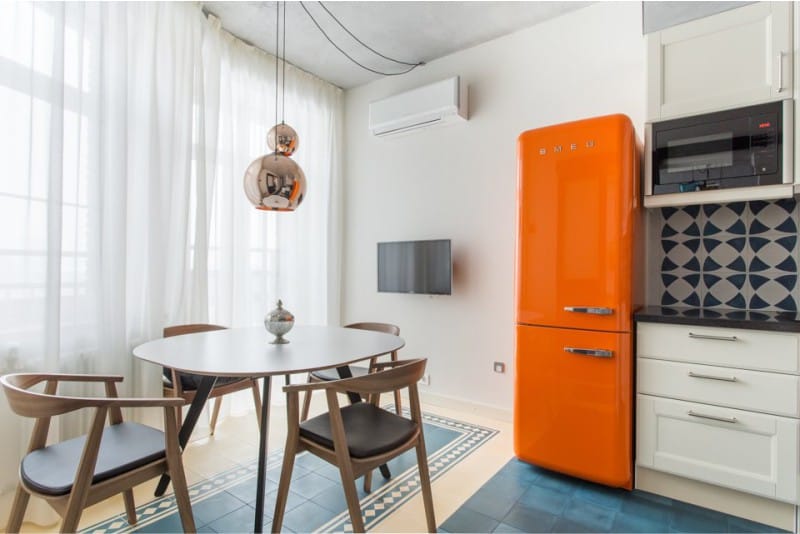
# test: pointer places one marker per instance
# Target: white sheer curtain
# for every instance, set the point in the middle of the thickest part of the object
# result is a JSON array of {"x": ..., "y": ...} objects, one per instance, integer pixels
[{"x": 126, "y": 128}]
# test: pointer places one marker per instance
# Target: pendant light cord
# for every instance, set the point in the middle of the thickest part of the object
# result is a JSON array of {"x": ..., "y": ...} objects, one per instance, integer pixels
[
  {"x": 283, "y": 82},
  {"x": 414, "y": 66},
  {"x": 362, "y": 43},
  {"x": 277, "y": 57}
]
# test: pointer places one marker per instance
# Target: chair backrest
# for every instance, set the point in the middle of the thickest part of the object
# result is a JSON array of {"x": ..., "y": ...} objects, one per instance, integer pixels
[
  {"x": 401, "y": 374},
  {"x": 386, "y": 328},
  {"x": 34, "y": 404},
  {"x": 179, "y": 330}
]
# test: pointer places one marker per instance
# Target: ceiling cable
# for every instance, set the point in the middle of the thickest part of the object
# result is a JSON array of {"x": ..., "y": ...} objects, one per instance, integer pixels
[
  {"x": 414, "y": 66},
  {"x": 362, "y": 43},
  {"x": 283, "y": 88}
]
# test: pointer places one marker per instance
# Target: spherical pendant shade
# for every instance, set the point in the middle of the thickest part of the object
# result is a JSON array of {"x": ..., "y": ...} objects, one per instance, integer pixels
[
  {"x": 287, "y": 141},
  {"x": 275, "y": 182}
]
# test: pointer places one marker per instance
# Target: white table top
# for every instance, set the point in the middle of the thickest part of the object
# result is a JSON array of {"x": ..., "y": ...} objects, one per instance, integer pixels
[{"x": 248, "y": 351}]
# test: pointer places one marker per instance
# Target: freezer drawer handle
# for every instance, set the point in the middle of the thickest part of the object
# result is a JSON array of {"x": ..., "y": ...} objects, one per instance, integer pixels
[
  {"x": 712, "y": 377},
  {"x": 594, "y": 310},
  {"x": 718, "y": 338},
  {"x": 731, "y": 420},
  {"x": 600, "y": 353}
]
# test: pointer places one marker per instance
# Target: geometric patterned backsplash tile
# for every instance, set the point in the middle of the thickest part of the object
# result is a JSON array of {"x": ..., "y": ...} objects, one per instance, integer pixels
[{"x": 741, "y": 255}]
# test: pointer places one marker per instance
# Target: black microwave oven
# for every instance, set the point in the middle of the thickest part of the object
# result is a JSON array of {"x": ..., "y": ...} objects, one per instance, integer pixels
[{"x": 724, "y": 150}]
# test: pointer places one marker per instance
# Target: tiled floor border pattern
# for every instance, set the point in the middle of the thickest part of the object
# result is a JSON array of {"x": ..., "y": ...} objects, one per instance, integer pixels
[{"x": 375, "y": 507}]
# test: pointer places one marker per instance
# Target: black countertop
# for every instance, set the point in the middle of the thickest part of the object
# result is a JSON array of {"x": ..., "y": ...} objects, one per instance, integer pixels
[{"x": 725, "y": 318}]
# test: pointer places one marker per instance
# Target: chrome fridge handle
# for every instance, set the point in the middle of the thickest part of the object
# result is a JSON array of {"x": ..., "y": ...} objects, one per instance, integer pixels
[
  {"x": 780, "y": 72},
  {"x": 594, "y": 310},
  {"x": 599, "y": 353}
]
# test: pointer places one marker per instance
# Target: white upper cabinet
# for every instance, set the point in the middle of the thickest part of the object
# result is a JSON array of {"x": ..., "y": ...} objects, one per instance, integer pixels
[{"x": 735, "y": 58}]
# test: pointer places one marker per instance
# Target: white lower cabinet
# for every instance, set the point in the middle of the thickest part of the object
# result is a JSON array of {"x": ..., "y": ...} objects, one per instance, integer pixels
[
  {"x": 746, "y": 451},
  {"x": 720, "y": 406}
]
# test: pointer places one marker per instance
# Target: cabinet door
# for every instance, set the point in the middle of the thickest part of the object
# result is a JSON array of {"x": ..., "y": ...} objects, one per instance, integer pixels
[
  {"x": 749, "y": 452},
  {"x": 730, "y": 59}
]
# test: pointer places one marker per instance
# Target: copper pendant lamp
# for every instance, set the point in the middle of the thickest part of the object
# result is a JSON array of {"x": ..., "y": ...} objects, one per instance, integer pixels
[{"x": 275, "y": 182}]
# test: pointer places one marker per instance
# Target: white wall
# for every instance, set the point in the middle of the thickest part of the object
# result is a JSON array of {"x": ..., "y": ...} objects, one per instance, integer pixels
[{"x": 459, "y": 182}]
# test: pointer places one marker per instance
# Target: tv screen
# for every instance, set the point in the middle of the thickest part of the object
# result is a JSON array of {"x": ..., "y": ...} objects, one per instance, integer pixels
[{"x": 415, "y": 267}]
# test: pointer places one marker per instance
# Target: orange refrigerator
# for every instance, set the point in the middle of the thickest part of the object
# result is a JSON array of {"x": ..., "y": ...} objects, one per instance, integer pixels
[{"x": 576, "y": 289}]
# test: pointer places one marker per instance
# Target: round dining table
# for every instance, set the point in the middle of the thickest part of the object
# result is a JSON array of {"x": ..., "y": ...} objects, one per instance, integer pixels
[{"x": 247, "y": 352}]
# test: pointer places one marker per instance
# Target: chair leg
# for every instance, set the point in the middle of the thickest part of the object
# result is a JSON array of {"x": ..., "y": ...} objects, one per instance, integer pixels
[
  {"x": 283, "y": 484},
  {"x": 425, "y": 482},
  {"x": 179, "y": 416},
  {"x": 130, "y": 506},
  {"x": 215, "y": 414},
  {"x": 257, "y": 401},
  {"x": 21, "y": 498},
  {"x": 368, "y": 482},
  {"x": 178, "y": 477}
]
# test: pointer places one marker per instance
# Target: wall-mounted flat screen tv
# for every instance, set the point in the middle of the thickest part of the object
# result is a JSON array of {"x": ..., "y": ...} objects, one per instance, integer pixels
[{"x": 415, "y": 267}]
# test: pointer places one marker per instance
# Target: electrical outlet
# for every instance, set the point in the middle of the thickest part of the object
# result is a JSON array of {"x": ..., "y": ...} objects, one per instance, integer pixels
[
  {"x": 499, "y": 367},
  {"x": 425, "y": 380}
]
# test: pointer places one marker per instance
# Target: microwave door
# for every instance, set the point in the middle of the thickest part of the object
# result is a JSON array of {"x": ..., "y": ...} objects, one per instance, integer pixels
[{"x": 704, "y": 153}]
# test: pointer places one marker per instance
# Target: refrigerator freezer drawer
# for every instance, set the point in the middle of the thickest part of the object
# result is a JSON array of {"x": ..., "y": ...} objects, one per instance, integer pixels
[{"x": 573, "y": 399}]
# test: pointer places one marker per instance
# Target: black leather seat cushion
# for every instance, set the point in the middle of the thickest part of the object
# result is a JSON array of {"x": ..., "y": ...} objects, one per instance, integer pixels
[
  {"x": 191, "y": 382},
  {"x": 125, "y": 446},
  {"x": 369, "y": 429},
  {"x": 326, "y": 375}
]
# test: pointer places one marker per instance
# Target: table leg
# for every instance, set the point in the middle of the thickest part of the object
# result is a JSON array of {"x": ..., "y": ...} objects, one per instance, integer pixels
[
  {"x": 199, "y": 401},
  {"x": 344, "y": 372},
  {"x": 262, "y": 456}
]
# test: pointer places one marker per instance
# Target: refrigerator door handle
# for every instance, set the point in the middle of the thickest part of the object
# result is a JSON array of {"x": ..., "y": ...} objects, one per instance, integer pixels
[
  {"x": 599, "y": 353},
  {"x": 595, "y": 310}
]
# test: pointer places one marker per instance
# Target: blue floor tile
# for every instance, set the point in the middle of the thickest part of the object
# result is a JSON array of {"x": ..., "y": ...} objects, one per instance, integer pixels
[
  {"x": 488, "y": 503},
  {"x": 530, "y": 519},
  {"x": 307, "y": 517},
  {"x": 594, "y": 517},
  {"x": 640, "y": 504},
  {"x": 503, "y": 527},
  {"x": 565, "y": 525},
  {"x": 737, "y": 524},
  {"x": 466, "y": 520},
  {"x": 240, "y": 520},
  {"x": 557, "y": 481},
  {"x": 216, "y": 506},
  {"x": 547, "y": 500},
  {"x": 246, "y": 491},
  {"x": 312, "y": 484},
  {"x": 333, "y": 497},
  {"x": 689, "y": 518},
  {"x": 602, "y": 495},
  {"x": 624, "y": 522}
]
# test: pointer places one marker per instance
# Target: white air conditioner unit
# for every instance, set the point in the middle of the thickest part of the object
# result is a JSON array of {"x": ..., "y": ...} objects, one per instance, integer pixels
[{"x": 437, "y": 103}]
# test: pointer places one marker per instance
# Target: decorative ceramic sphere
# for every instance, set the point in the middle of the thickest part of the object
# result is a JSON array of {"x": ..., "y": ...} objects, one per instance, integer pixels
[
  {"x": 278, "y": 322},
  {"x": 275, "y": 182},
  {"x": 287, "y": 139}
]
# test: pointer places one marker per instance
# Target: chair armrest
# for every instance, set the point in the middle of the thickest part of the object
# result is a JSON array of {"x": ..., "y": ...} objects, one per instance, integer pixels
[
  {"x": 66, "y": 377},
  {"x": 138, "y": 402},
  {"x": 379, "y": 366},
  {"x": 310, "y": 386}
]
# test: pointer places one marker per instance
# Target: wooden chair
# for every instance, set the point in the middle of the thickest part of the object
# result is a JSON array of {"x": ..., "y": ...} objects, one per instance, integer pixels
[
  {"x": 184, "y": 385},
  {"x": 77, "y": 473},
  {"x": 358, "y": 437},
  {"x": 327, "y": 375}
]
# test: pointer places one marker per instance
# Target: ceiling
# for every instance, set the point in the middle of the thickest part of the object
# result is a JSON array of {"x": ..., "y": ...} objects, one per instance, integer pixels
[{"x": 407, "y": 31}]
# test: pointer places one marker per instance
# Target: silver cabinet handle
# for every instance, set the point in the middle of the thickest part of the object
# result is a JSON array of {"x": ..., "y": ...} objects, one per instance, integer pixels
[
  {"x": 712, "y": 377},
  {"x": 600, "y": 353},
  {"x": 717, "y": 338},
  {"x": 780, "y": 72},
  {"x": 595, "y": 310},
  {"x": 731, "y": 420}
]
